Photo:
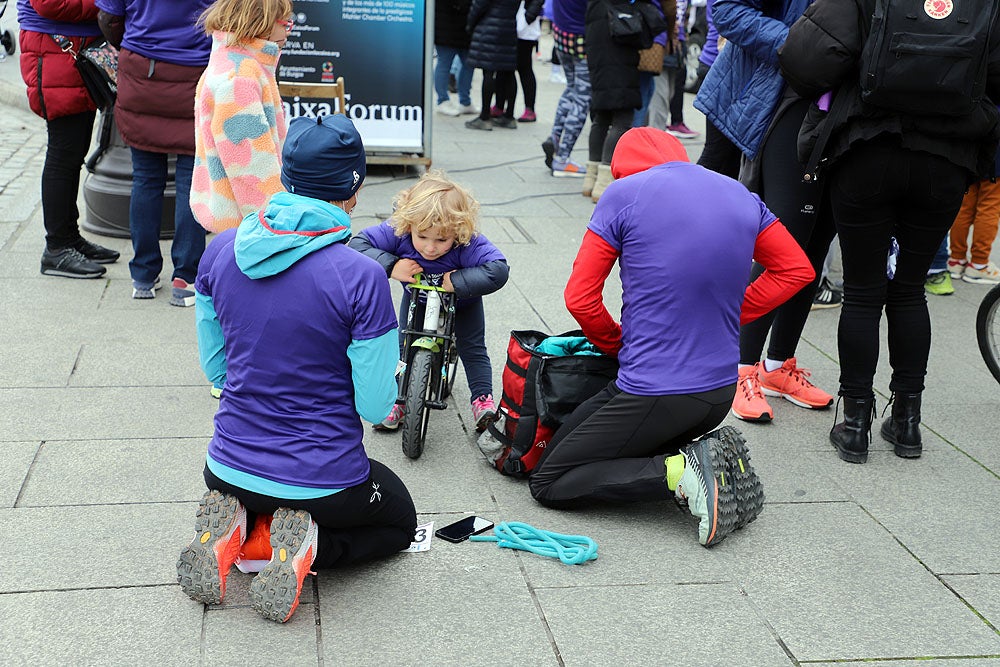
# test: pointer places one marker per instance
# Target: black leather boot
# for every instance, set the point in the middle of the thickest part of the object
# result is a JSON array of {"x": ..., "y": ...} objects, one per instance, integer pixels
[
  {"x": 851, "y": 436},
  {"x": 902, "y": 428}
]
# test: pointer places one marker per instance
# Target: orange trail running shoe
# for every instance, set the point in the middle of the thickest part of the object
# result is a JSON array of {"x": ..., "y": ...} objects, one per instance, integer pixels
[
  {"x": 790, "y": 383},
  {"x": 220, "y": 526},
  {"x": 274, "y": 593},
  {"x": 256, "y": 551},
  {"x": 749, "y": 403}
]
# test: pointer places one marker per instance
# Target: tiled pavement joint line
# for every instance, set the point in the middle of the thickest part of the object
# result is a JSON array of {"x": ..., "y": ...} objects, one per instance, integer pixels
[
  {"x": 104, "y": 292},
  {"x": 962, "y": 451},
  {"x": 539, "y": 610},
  {"x": 73, "y": 505},
  {"x": 76, "y": 363},
  {"x": 521, "y": 230},
  {"x": 318, "y": 616},
  {"x": 202, "y": 641},
  {"x": 27, "y": 475},
  {"x": 637, "y": 584},
  {"x": 171, "y": 585},
  {"x": 513, "y": 283},
  {"x": 767, "y": 624},
  {"x": 939, "y": 577},
  {"x": 116, "y": 439},
  {"x": 908, "y": 658}
]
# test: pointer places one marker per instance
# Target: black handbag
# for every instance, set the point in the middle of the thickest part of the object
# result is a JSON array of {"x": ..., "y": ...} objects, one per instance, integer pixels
[
  {"x": 98, "y": 67},
  {"x": 635, "y": 24}
]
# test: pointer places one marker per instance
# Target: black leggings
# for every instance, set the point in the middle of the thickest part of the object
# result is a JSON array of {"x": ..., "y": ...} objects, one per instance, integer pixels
[
  {"x": 69, "y": 139},
  {"x": 606, "y": 127},
  {"x": 374, "y": 519},
  {"x": 880, "y": 190},
  {"x": 504, "y": 85},
  {"x": 526, "y": 73},
  {"x": 805, "y": 211},
  {"x": 720, "y": 154},
  {"x": 613, "y": 447}
]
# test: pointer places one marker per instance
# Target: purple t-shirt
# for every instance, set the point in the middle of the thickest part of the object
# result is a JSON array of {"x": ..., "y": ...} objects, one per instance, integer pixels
[
  {"x": 288, "y": 414},
  {"x": 29, "y": 19},
  {"x": 686, "y": 237},
  {"x": 477, "y": 252},
  {"x": 710, "y": 51},
  {"x": 163, "y": 30}
]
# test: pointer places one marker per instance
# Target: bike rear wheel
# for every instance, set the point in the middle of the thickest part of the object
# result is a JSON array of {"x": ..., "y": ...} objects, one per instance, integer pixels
[
  {"x": 416, "y": 412},
  {"x": 988, "y": 330}
]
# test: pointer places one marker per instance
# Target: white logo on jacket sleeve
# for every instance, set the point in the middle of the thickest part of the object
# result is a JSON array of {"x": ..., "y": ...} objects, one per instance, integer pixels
[{"x": 939, "y": 9}]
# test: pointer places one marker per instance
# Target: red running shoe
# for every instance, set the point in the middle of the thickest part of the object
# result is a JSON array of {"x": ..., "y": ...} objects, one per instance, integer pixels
[
  {"x": 790, "y": 383},
  {"x": 749, "y": 403}
]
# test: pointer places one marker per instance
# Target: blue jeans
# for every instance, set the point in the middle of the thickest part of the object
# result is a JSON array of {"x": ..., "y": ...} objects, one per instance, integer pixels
[
  {"x": 445, "y": 56},
  {"x": 646, "y": 85},
  {"x": 149, "y": 179},
  {"x": 940, "y": 262}
]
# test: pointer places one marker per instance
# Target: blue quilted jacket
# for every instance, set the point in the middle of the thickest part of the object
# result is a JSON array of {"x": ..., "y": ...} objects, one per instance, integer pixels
[{"x": 744, "y": 85}]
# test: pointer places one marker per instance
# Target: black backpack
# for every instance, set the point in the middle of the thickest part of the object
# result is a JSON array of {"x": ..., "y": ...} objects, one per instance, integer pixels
[{"x": 927, "y": 56}]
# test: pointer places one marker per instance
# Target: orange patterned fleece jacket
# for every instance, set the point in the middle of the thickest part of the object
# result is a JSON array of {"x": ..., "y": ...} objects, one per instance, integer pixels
[{"x": 239, "y": 131}]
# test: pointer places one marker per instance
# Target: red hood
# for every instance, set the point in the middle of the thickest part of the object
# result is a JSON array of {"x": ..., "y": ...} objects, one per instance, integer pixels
[{"x": 643, "y": 147}]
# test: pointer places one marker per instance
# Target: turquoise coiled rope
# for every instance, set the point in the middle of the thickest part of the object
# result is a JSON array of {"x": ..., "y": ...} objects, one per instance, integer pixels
[{"x": 569, "y": 549}]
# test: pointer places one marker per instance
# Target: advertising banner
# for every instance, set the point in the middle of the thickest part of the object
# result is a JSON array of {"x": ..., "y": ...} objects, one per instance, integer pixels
[{"x": 380, "y": 48}]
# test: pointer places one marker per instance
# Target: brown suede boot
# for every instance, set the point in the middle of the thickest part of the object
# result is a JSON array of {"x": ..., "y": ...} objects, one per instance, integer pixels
[
  {"x": 604, "y": 179},
  {"x": 590, "y": 178}
]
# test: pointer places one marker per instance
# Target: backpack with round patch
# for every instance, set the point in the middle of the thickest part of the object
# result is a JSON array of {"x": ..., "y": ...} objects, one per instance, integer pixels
[{"x": 927, "y": 56}]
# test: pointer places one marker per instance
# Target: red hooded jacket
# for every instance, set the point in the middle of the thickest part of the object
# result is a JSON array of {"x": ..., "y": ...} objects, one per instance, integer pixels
[{"x": 55, "y": 88}]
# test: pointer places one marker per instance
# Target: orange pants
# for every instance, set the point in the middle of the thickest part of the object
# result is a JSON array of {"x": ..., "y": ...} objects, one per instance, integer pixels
[{"x": 981, "y": 211}]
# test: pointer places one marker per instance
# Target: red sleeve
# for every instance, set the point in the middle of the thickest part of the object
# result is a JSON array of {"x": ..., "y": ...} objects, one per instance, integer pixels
[
  {"x": 584, "y": 293},
  {"x": 66, "y": 11},
  {"x": 787, "y": 270}
]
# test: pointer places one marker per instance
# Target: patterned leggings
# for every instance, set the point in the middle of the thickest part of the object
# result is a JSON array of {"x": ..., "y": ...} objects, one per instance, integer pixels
[{"x": 573, "y": 107}]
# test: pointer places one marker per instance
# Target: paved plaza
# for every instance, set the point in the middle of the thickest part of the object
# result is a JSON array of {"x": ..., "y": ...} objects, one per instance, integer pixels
[{"x": 105, "y": 416}]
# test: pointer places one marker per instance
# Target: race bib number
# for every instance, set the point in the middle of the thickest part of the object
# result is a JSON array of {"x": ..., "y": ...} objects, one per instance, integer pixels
[{"x": 421, "y": 539}]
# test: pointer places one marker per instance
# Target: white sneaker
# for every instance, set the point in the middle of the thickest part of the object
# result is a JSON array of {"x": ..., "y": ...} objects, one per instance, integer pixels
[
  {"x": 447, "y": 108},
  {"x": 468, "y": 109},
  {"x": 988, "y": 275},
  {"x": 557, "y": 75}
]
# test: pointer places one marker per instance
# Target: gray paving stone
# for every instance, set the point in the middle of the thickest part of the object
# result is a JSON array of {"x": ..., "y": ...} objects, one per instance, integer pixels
[
  {"x": 922, "y": 662},
  {"x": 859, "y": 595},
  {"x": 971, "y": 428},
  {"x": 634, "y": 542},
  {"x": 17, "y": 460},
  {"x": 35, "y": 362},
  {"x": 980, "y": 591},
  {"x": 103, "y": 364},
  {"x": 918, "y": 501},
  {"x": 260, "y": 641},
  {"x": 47, "y": 293},
  {"x": 107, "y": 626},
  {"x": 463, "y": 603},
  {"x": 695, "y": 625},
  {"x": 109, "y": 472},
  {"x": 95, "y": 546},
  {"x": 106, "y": 412}
]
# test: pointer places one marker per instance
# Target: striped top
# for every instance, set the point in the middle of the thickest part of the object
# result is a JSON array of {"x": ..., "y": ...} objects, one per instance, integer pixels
[{"x": 239, "y": 130}]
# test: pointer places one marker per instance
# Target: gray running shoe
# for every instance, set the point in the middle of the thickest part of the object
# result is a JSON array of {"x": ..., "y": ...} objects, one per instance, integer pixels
[
  {"x": 707, "y": 491},
  {"x": 220, "y": 528},
  {"x": 274, "y": 593},
  {"x": 746, "y": 485}
]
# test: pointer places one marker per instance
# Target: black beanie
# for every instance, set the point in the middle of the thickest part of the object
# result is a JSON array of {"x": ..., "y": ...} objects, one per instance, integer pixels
[{"x": 323, "y": 158}]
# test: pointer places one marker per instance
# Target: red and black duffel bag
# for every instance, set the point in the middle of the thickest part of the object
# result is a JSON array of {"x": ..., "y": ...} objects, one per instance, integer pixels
[{"x": 539, "y": 392}]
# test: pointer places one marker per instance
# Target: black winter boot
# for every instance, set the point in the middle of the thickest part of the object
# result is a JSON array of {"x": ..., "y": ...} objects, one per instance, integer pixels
[
  {"x": 902, "y": 428},
  {"x": 851, "y": 436}
]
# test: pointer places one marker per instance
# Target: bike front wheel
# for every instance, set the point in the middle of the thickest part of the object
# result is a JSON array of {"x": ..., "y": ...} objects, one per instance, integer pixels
[
  {"x": 416, "y": 411},
  {"x": 988, "y": 330}
]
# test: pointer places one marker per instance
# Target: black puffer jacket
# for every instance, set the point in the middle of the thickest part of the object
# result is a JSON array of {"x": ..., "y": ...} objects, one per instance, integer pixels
[
  {"x": 493, "y": 25},
  {"x": 450, "y": 17},
  {"x": 614, "y": 73},
  {"x": 822, "y": 53}
]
